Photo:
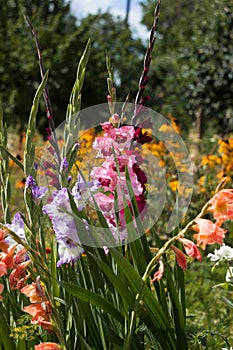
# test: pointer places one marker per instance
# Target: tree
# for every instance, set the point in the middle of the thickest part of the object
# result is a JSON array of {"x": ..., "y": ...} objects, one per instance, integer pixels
[
  {"x": 110, "y": 34},
  {"x": 192, "y": 71},
  {"x": 18, "y": 58},
  {"x": 62, "y": 40}
]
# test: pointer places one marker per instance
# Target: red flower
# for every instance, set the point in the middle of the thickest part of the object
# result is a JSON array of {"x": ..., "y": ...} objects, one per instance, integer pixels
[
  {"x": 140, "y": 137},
  {"x": 222, "y": 206},
  {"x": 191, "y": 248},
  {"x": 180, "y": 257},
  {"x": 208, "y": 233},
  {"x": 47, "y": 346},
  {"x": 1, "y": 290},
  {"x": 159, "y": 274}
]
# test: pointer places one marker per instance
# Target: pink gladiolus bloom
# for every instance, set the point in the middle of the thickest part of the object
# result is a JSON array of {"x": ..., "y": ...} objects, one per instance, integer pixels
[
  {"x": 118, "y": 139},
  {"x": 180, "y": 257},
  {"x": 159, "y": 274},
  {"x": 222, "y": 205},
  {"x": 208, "y": 233},
  {"x": 191, "y": 248},
  {"x": 47, "y": 346},
  {"x": 105, "y": 203}
]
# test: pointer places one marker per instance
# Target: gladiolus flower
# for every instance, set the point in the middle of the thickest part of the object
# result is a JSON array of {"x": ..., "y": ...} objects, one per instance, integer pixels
[
  {"x": 1, "y": 290},
  {"x": 64, "y": 226},
  {"x": 222, "y": 205},
  {"x": 18, "y": 275},
  {"x": 47, "y": 346},
  {"x": 38, "y": 192},
  {"x": 8, "y": 258},
  {"x": 3, "y": 244},
  {"x": 17, "y": 226},
  {"x": 140, "y": 137},
  {"x": 180, "y": 257},
  {"x": 158, "y": 274},
  {"x": 208, "y": 233},
  {"x": 41, "y": 313},
  {"x": 191, "y": 248},
  {"x": 225, "y": 252},
  {"x": 31, "y": 291},
  {"x": 3, "y": 269}
]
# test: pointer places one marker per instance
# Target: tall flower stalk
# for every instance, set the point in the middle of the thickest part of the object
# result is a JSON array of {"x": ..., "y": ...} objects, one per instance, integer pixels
[{"x": 139, "y": 100}]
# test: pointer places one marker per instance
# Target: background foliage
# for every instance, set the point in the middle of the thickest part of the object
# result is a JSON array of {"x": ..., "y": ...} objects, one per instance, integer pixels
[
  {"x": 193, "y": 66},
  {"x": 62, "y": 40}
]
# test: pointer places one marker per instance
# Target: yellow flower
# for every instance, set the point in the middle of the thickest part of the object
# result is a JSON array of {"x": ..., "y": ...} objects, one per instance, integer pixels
[
  {"x": 173, "y": 184},
  {"x": 166, "y": 128}
]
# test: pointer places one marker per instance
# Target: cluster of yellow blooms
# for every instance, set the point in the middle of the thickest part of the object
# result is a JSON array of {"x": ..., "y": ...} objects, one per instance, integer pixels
[{"x": 221, "y": 162}]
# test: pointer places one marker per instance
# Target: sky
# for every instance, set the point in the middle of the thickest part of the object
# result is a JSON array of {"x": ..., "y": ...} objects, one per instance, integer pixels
[{"x": 81, "y": 8}]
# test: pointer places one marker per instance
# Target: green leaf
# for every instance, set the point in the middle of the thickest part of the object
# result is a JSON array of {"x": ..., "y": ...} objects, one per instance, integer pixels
[
  {"x": 178, "y": 313},
  {"x": 94, "y": 299},
  {"x": 30, "y": 148},
  {"x": 229, "y": 302},
  {"x": 119, "y": 285},
  {"x": 15, "y": 160},
  {"x": 5, "y": 338}
]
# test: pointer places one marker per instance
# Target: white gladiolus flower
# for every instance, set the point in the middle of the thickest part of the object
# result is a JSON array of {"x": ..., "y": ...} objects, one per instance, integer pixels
[{"x": 225, "y": 252}]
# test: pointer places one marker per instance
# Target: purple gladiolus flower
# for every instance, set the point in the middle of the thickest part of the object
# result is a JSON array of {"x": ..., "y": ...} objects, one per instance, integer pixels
[
  {"x": 82, "y": 191},
  {"x": 64, "y": 165},
  {"x": 68, "y": 251},
  {"x": 17, "y": 226},
  {"x": 60, "y": 214},
  {"x": 30, "y": 182},
  {"x": 38, "y": 192}
]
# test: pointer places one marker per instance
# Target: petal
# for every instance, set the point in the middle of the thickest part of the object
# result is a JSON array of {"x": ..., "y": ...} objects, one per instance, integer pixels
[{"x": 180, "y": 257}]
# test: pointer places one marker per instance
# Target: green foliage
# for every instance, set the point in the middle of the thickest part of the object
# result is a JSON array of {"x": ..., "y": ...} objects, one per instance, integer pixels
[
  {"x": 209, "y": 318},
  {"x": 192, "y": 74},
  {"x": 62, "y": 40}
]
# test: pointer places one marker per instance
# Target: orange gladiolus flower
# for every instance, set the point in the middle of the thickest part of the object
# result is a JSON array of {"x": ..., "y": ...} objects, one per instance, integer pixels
[
  {"x": 3, "y": 245},
  {"x": 34, "y": 291},
  {"x": 18, "y": 275},
  {"x": 208, "y": 233},
  {"x": 3, "y": 269},
  {"x": 48, "y": 346},
  {"x": 8, "y": 258},
  {"x": 40, "y": 311},
  {"x": 222, "y": 205}
]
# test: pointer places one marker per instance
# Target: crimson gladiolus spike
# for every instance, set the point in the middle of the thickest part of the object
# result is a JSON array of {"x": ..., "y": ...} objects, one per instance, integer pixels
[{"x": 147, "y": 60}]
